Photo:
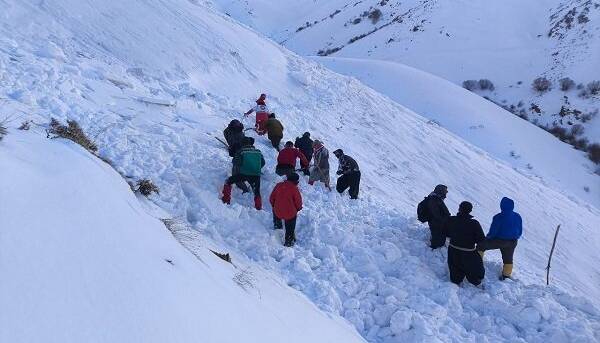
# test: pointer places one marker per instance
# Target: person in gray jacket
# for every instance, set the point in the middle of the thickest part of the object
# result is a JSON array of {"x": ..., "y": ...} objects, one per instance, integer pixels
[{"x": 320, "y": 169}]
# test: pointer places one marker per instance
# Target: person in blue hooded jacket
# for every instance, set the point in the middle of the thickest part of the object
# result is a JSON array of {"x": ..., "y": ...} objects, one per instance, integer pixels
[{"x": 506, "y": 229}]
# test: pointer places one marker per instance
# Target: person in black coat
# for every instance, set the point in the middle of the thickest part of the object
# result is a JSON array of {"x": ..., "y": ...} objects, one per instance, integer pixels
[
  {"x": 438, "y": 215},
  {"x": 305, "y": 145},
  {"x": 234, "y": 135},
  {"x": 349, "y": 174},
  {"x": 463, "y": 259}
]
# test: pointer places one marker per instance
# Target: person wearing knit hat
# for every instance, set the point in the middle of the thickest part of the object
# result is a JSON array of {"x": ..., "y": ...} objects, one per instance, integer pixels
[
  {"x": 286, "y": 202},
  {"x": 463, "y": 259},
  {"x": 274, "y": 131},
  {"x": 436, "y": 215},
  {"x": 305, "y": 144},
  {"x": 320, "y": 170}
]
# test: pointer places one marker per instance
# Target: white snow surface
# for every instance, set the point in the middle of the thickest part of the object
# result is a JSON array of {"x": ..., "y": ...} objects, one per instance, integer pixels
[
  {"x": 82, "y": 260},
  {"x": 153, "y": 82}
]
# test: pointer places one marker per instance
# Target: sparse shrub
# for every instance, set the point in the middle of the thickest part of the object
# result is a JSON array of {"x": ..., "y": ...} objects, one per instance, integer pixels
[
  {"x": 25, "y": 126},
  {"x": 559, "y": 132},
  {"x": 577, "y": 130},
  {"x": 535, "y": 108},
  {"x": 3, "y": 132},
  {"x": 566, "y": 84},
  {"x": 470, "y": 85},
  {"x": 594, "y": 87},
  {"x": 580, "y": 144},
  {"x": 356, "y": 21},
  {"x": 485, "y": 84},
  {"x": 146, "y": 187},
  {"x": 593, "y": 151},
  {"x": 541, "y": 85},
  {"x": 73, "y": 132},
  {"x": 375, "y": 15}
]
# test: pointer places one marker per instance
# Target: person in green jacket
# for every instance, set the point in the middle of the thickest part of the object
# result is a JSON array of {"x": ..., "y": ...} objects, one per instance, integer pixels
[
  {"x": 249, "y": 161},
  {"x": 274, "y": 131}
]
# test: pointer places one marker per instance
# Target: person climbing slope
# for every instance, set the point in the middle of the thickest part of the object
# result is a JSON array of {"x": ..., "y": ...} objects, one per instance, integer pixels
[
  {"x": 286, "y": 160},
  {"x": 262, "y": 114},
  {"x": 320, "y": 170},
  {"x": 234, "y": 136},
  {"x": 305, "y": 144},
  {"x": 463, "y": 259},
  {"x": 505, "y": 231},
  {"x": 349, "y": 174},
  {"x": 274, "y": 131},
  {"x": 248, "y": 161},
  {"x": 433, "y": 210},
  {"x": 286, "y": 202}
]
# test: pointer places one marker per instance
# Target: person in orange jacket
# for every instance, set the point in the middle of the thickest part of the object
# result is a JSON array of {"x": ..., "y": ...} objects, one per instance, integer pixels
[
  {"x": 262, "y": 114},
  {"x": 286, "y": 202}
]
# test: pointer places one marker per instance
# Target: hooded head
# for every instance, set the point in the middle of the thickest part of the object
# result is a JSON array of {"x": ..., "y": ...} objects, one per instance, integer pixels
[
  {"x": 507, "y": 204},
  {"x": 441, "y": 191},
  {"x": 306, "y": 135},
  {"x": 338, "y": 153},
  {"x": 289, "y": 144},
  {"x": 261, "y": 99},
  {"x": 293, "y": 177},
  {"x": 317, "y": 144},
  {"x": 465, "y": 207}
]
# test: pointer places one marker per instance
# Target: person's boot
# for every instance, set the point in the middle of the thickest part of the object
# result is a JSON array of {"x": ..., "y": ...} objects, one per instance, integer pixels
[
  {"x": 226, "y": 194},
  {"x": 258, "y": 202},
  {"x": 506, "y": 271}
]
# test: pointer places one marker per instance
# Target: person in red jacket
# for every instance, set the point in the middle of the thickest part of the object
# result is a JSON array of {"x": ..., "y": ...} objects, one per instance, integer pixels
[
  {"x": 262, "y": 114},
  {"x": 286, "y": 160},
  {"x": 286, "y": 202}
]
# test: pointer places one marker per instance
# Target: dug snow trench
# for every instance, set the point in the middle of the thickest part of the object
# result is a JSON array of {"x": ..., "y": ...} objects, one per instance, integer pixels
[
  {"x": 82, "y": 261},
  {"x": 366, "y": 260}
]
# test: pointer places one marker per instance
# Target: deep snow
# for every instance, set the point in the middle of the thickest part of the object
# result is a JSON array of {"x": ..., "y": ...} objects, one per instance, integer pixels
[
  {"x": 366, "y": 260},
  {"x": 82, "y": 261}
]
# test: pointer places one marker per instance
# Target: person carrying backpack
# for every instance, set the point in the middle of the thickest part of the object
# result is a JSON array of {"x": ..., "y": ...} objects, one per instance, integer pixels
[
  {"x": 234, "y": 136},
  {"x": 248, "y": 161},
  {"x": 505, "y": 231},
  {"x": 463, "y": 259},
  {"x": 349, "y": 174},
  {"x": 433, "y": 211},
  {"x": 262, "y": 114},
  {"x": 274, "y": 131},
  {"x": 286, "y": 160},
  {"x": 320, "y": 170},
  {"x": 305, "y": 144},
  {"x": 286, "y": 202}
]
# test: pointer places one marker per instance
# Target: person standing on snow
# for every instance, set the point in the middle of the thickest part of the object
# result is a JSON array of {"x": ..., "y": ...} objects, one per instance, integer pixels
[
  {"x": 286, "y": 202},
  {"x": 350, "y": 174},
  {"x": 437, "y": 215},
  {"x": 234, "y": 135},
  {"x": 262, "y": 114},
  {"x": 463, "y": 259},
  {"x": 320, "y": 170},
  {"x": 274, "y": 131},
  {"x": 286, "y": 160},
  {"x": 305, "y": 144},
  {"x": 506, "y": 229},
  {"x": 248, "y": 161}
]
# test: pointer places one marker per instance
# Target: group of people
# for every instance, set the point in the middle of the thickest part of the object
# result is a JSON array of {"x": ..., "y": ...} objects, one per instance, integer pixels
[
  {"x": 467, "y": 240},
  {"x": 285, "y": 198}
]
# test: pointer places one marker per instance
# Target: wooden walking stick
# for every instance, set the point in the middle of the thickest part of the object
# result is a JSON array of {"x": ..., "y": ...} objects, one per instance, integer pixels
[{"x": 550, "y": 257}]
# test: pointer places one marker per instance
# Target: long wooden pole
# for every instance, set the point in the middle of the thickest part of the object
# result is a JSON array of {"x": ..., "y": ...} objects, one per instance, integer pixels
[{"x": 550, "y": 257}]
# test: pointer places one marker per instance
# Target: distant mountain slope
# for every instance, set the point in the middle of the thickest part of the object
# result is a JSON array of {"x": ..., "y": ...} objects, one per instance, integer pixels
[{"x": 510, "y": 43}]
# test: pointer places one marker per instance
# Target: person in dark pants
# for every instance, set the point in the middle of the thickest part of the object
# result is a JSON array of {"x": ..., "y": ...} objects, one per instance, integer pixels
[
  {"x": 286, "y": 202},
  {"x": 350, "y": 174},
  {"x": 286, "y": 160},
  {"x": 274, "y": 131},
  {"x": 305, "y": 144},
  {"x": 463, "y": 259},
  {"x": 248, "y": 161},
  {"x": 505, "y": 231},
  {"x": 438, "y": 214},
  {"x": 234, "y": 136}
]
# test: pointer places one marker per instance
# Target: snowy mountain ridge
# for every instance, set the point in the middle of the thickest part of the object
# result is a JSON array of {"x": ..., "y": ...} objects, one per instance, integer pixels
[{"x": 155, "y": 115}]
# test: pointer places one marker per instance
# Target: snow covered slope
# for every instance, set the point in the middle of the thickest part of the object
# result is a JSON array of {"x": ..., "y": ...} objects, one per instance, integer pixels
[
  {"x": 510, "y": 43},
  {"x": 153, "y": 82},
  {"x": 479, "y": 122},
  {"x": 82, "y": 261}
]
